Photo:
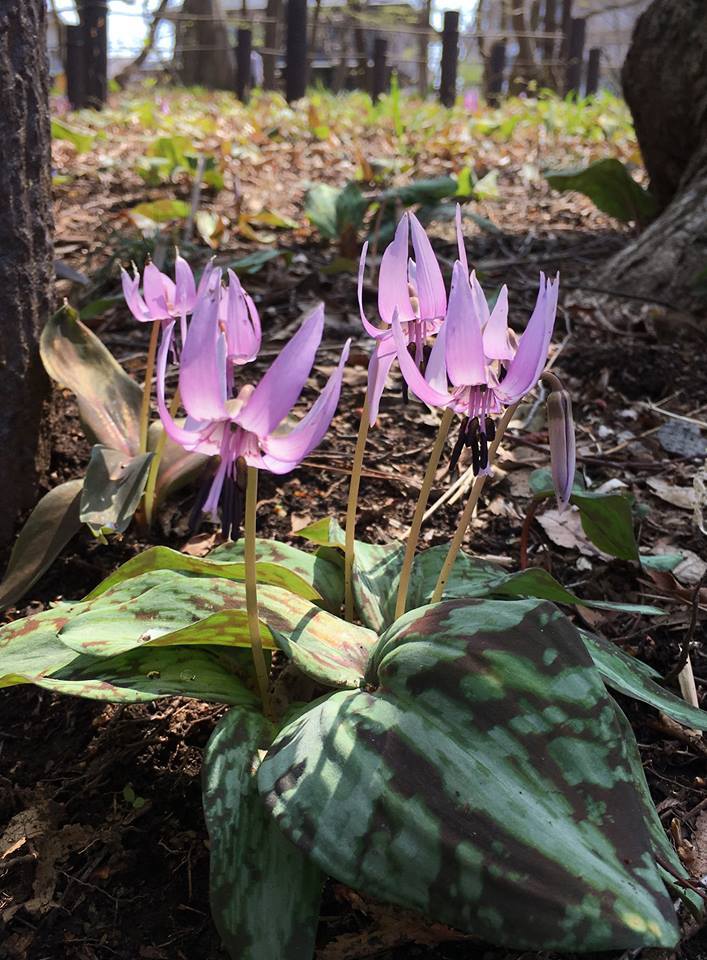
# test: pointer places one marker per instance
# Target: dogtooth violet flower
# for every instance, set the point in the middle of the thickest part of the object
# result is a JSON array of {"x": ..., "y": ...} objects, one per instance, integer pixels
[
  {"x": 413, "y": 287},
  {"x": 242, "y": 425},
  {"x": 475, "y": 352}
]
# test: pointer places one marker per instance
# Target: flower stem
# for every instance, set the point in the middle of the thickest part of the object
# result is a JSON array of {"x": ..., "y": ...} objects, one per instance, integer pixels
[
  {"x": 414, "y": 533},
  {"x": 147, "y": 387},
  {"x": 251, "y": 589},
  {"x": 468, "y": 511},
  {"x": 351, "y": 512},
  {"x": 151, "y": 484}
]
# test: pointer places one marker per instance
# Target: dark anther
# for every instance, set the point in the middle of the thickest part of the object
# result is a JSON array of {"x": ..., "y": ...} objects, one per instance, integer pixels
[
  {"x": 483, "y": 451},
  {"x": 231, "y": 508},
  {"x": 426, "y": 351},
  {"x": 475, "y": 460},
  {"x": 472, "y": 431},
  {"x": 458, "y": 446},
  {"x": 241, "y": 473},
  {"x": 501, "y": 373},
  {"x": 404, "y": 391},
  {"x": 490, "y": 429}
]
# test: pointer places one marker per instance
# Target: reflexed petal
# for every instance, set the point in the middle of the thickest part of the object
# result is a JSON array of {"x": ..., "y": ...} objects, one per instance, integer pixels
[
  {"x": 185, "y": 288},
  {"x": 460, "y": 240},
  {"x": 414, "y": 379},
  {"x": 378, "y": 369},
  {"x": 202, "y": 375},
  {"x": 242, "y": 323},
  {"x": 466, "y": 364},
  {"x": 562, "y": 444},
  {"x": 436, "y": 370},
  {"x": 372, "y": 331},
  {"x": 428, "y": 276},
  {"x": 527, "y": 365},
  {"x": 496, "y": 343},
  {"x": 159, "y": 292},
  {"x": 293, "y": 447},
  {"x": 277, "y": 392},
  {"x": 393, "y": 277},
  {"x": 208, "y": 275},
  {"x": 131, "y": 292},
  {"x": 206, "y": 440}
]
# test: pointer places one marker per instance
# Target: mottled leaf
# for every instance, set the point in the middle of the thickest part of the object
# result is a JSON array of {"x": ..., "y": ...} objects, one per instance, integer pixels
[
  {"x": 538, "y": 583},
  {"x": 324, "y": 575},
  {"x": 636, "y": 679},
  {"x": 112, "y": 488},
  {"x": 217, "y": 676},
  {"x": 108, "y": 399},
  {"x": 50, "y": 526},
  {"x": 217, "y": 565},
  {"x": 264, "y": 892},
  {"x": 481, "y": 778},
  {"x": 326, "y": 532},
  {"x": 29, "y": 647}
]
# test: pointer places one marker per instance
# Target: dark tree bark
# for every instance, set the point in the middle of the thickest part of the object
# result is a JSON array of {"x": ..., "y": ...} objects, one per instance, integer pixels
[
  {"x": 203, "y": 47},
  {"x": 26, "y": 263},
  {"x": 665, "y": 85}
]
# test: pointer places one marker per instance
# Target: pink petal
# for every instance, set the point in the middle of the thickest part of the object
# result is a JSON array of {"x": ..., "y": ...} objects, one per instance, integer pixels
[
  {"x": 378, "y": 369},
  {"x": 428, "y": 277},
  {"x": 482, "y": 307},
  {"x": 131, "y": 292},
  {"x": 414, "y": 379},
  {"x": 460, "y": 240},
  {"x": 277, "y": 392},
  {"x": 242, "y": 323},
  {"x": 393, "y": 277},
  {"x": 436, "y": 370},
  {"x": 372, "y": 331},
  {"x": 159, "y": 292},
  {"x": 185, "y": 288},
  {"x": 202, "y": 375},
  {"x": 496, "y": 343},
  {"x": 466, "y": 364},
  {"x": 527, "y": 365},
  {"x": 291, "y": 448},
  {"x": 194, "y": 440}
]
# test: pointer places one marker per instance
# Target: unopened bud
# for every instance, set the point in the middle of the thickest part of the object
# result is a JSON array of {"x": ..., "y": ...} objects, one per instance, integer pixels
[{"x": 560, "y": 426}]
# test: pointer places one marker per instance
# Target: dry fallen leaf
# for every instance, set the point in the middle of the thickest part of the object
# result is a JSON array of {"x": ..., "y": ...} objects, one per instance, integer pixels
[
  {"x": 564, "y": 528},
  {"x": 691, "y": 568},
  {"x": 682, "y": 497}
]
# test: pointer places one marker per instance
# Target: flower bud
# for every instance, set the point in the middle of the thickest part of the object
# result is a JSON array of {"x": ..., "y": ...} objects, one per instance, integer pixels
[{"x": 561, "y": 434}]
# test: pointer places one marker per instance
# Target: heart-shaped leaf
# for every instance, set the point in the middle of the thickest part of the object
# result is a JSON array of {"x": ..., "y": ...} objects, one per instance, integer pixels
[
  {"x": 482, "y": 779},
  {"x": 112, "y": 488},
  {"x": 109, "y": 401},
  {"x": 50, "y": 526},
  {"x": 264, "y": 892}
]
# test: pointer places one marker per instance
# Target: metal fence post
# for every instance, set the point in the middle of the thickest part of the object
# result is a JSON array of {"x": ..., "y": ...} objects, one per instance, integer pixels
[
  {"x": 496, "y": 68},
  {"x": 593, "y": 71},
  {"x": 243, "y": 51},
  {"x": 575, "y": 56},
  {"x": 75, "y": 67},
  {"x": 380, "y": 67},
  {"x": 296, "y": 50},
  {"x": 450, "y": 56},
  {"x": 94, "y": 15}
]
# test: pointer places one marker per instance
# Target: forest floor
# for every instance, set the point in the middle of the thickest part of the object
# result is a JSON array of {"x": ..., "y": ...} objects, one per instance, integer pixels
[{"x": 103, "y": 847}]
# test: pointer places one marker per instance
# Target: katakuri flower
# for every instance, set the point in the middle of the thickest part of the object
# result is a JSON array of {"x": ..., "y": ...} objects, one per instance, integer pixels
[
  {"x": 412, "y": 287},
  {"x": 475, "y": 351},
  {"x": 162, "y": 298},
  {"x": 242, "y": 424}
]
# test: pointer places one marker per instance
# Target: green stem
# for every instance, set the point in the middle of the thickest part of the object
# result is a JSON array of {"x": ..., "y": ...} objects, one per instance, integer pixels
[
  {"x": 468, "y": 511},
  {"x": 147, "y": 387},
  {"x": 251, "y": 589},
  {"x": 151, "y": 484},
  {"x": 351, "y": 512},
  {"x": 414, "y": 533}
]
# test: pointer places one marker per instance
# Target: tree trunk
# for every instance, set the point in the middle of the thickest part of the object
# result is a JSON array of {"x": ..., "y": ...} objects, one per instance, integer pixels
[
  {"x": 202, "y": 44},
  {"x": 26, "y": 263},
  {"x": 665, "y": 85}
]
